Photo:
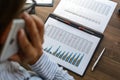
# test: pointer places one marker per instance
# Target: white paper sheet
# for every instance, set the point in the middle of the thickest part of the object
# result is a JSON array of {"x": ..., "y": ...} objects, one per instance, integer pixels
[
  {"x": 41, "y": 1},
  {"x": 68, "y": 46},
  {"x": 94, "y": 14}
]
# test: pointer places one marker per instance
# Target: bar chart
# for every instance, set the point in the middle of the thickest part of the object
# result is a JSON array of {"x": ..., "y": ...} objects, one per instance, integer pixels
[
  {"x": 68, "y": 46},
  {"x": 70, "y": 57}
]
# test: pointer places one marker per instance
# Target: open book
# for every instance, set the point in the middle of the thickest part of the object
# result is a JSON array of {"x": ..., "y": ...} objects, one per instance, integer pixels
[{"x": 74, "y": 31}]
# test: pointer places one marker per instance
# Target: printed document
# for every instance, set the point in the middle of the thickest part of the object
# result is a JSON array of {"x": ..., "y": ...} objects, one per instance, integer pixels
[
  {"x": 94, "y": 14},
  {"x": 70, "y": 47}
]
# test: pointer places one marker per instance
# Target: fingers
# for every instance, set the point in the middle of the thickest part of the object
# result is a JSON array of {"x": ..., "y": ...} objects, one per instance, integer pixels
[
  {"x": 30, "y": 54},
  {"x": 40, "y": 26},
  {"x": 32, "y": 49},
  {"x": 33, "y": 32},
  {"x": 24, "y": 43}
]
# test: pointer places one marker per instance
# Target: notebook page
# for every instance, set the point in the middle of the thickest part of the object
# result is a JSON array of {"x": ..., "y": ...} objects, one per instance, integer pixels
[{"x": 94, "y": 14}]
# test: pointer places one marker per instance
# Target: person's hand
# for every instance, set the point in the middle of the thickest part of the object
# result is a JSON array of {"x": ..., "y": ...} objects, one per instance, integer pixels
[{"x": 31, "y": 50}]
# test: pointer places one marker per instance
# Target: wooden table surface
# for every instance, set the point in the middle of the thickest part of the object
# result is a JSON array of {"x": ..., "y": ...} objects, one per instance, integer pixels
[{"x": 108, "y": 67}]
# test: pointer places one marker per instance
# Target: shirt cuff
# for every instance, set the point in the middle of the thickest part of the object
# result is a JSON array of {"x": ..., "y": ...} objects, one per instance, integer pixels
[{"x": 44, "y": 67}]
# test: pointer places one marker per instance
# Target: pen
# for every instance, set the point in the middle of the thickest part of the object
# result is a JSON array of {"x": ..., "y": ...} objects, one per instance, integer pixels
[{"x": 94, "y": 65}]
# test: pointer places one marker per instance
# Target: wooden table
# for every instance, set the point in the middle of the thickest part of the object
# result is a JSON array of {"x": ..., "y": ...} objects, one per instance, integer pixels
[{"x": 108, "y": 67}]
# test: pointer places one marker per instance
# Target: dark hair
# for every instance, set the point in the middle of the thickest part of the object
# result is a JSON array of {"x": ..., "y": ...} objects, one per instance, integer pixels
[{"x": 9, "y": 9}]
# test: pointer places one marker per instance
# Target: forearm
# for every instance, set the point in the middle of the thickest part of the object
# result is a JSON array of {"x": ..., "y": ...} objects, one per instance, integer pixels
[{"x": 49, "y": 70}]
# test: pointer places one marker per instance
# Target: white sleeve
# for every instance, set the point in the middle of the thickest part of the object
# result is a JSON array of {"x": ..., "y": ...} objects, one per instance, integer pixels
[
  {"x": 10, "y": 70},
  {"x": 49, "y": 70}
]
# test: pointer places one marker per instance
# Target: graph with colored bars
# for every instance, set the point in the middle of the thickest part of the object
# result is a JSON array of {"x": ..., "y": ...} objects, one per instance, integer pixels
[{"x": 70, "y": 57}]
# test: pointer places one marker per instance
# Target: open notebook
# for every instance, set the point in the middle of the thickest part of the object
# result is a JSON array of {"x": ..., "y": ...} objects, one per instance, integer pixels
[{"x": 69, "y": 41}]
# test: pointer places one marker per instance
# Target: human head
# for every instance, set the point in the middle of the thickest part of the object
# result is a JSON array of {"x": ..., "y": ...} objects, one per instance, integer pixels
[{"x": 9, "y": 9}]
